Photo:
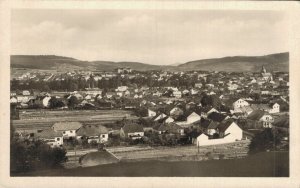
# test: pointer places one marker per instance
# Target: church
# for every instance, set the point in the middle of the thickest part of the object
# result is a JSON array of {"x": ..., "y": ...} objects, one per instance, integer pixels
[{"x": 267, "y": 76}]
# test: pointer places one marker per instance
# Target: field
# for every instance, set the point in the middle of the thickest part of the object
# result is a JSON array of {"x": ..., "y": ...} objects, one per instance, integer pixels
[
  {"x": 232, "y": 150},
  {"x": 41, "y": 119},
  {"x": 267, "y": 164},
  {"x": 179, "y": 153}
]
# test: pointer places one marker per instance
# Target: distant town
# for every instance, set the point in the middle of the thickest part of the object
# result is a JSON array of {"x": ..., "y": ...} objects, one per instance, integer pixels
[{"x": 131, "y": 113}]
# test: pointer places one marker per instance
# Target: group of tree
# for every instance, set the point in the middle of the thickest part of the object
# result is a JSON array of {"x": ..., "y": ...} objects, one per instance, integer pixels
[
  {"x": 267, "y": 140},
  {"x": 28, "y": 155}
]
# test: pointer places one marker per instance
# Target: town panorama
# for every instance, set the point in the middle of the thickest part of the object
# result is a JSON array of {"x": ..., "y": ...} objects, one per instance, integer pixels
[{"x": 133, "y": 122}]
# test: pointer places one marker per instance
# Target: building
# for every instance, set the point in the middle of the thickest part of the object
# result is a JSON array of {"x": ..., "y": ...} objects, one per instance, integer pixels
[
  {"x": 227, "y": 132},
  {"x": 96, "y": 133},
  {"x": 68, "y": 129},
  {"x": 266, "y": 76},
  {"x": 193, "y": 117},
  {"x": 239, "y": 103},
  {"x": 132, "y": 131},
  {"x": 51, "y": 137},
  {"x": 261, "y": 119}
]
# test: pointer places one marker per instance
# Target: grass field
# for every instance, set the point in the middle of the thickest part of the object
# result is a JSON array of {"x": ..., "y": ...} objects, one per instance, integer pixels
[
  {"x": 40, "y": 119},
  {"x": 267, "y": 164}
]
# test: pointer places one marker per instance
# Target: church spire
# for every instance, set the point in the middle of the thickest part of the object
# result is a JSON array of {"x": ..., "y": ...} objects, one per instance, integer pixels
[{"x": 263, "y": 69}]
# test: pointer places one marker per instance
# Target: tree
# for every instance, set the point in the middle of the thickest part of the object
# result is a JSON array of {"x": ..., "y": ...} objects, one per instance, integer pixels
[
  {"x": 268, "y": 139},
  {"x": 27, "y": 156},
  {"x": 55, "y": 103},
  {"x": 73, "y": 102}
]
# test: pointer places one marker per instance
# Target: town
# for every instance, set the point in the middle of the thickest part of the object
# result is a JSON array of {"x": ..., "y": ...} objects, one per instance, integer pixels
[{"x": 133, "y": 114}]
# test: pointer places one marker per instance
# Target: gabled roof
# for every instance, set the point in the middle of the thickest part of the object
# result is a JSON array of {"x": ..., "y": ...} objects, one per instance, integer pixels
[
  {"x": 256, "y": 115},
  {"x": 169, "y": 127},
  {"x": 213, "y": 125},
  {"x": 260, "y": 106},
  {"x": 49, "y": 133},
  {"x": 204, "y": 123},
  {"x": 91, "y": 130},
  {"x": 64, "y": 126},
  {"x": 224, "y": 125},
  {"x": 216, "y": 116},
  {"x": 131, "y": 128}
]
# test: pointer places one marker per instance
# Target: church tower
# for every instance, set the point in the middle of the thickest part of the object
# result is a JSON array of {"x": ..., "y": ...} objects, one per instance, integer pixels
[{"x": 263, "y": 69}]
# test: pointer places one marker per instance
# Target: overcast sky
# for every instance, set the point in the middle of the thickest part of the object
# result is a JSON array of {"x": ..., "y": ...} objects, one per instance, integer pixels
[{"x": 151, "y": 36}]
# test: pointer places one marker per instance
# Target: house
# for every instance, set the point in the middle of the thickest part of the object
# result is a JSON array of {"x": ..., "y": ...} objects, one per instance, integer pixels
[
  {"x": 13, "y": 100},
  {"x": 122, "y": 88},
  {"x": 151, "y": 113},
  {"x": 159, "y": 117},
  {"x": 93, "y": 91},
  {"x": 132, "y": 131},
  {"x": 240, "y": 103},
  {"x": 68, "y": 129},
  {"x": 193, "y": 117},
  {"x": 217, "y": 117},
  {"x": 119, "y": 93},
  {"x": 274, "y": 108},
  {"x": 169, "y": 120},
  {"x": 25, "y": 93},
  {"x": 244, "y": 110},
  {"x": 194, "y": 91},
  {"x": 176, "y": 111},
  {"x": 22, "y": 99},
  {"x": 228, "y": 131},
  {"x": 109, "y": 95},
  {"x": 177, "y": 94},
  {"x": 270, "y": 108},
  {"x": 198, "y": 85},
  {"x": 173, "y": 128},
  {"x": 51, "y": 137},
  {"x": 45, "y": 101},
  {"x": 261, "y": 119},
  {"x": 97, "y": 133},
  {"x": 205, "y": 112}
]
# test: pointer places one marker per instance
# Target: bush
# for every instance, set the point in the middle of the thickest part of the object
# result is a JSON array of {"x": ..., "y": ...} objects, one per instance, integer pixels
[
  {"x": 268, "y": 139},
  {"x": 35, "y": 155}
]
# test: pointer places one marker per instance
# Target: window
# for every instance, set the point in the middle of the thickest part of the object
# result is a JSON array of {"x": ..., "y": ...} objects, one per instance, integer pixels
[
  {"x": 64, "y": 132},
  {"x": 103, "y": 136},
  {"x": 58, "y": 139},
  {"x": 71, "y": 131},
  {"x": 267, "y": 118}
]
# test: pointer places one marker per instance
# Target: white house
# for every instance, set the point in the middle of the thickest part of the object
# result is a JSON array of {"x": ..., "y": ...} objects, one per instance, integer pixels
[
  {"x": 13, "y": 100},
  {"x": 228, "y": 131},
  {"x": 177, "y": 94},
  {"x": 151, "y": 113},
  {"x": 240, "y": 103},
  {"x": 261, "y": 118},
  {"x": 193, "y": 117},
  {"x": 160, "y": 116},
  {"x": 25, "y": 93},
  {"x": 122, "y": 88},
  {"x": 51, "y": 137},
  {"x": 275, "y": 108},
  {"x": 68, "y": 129},
  {"x": 97, "y": 133},
  {"x": 198, "y": 85},
  {"x": 45, "y": 101},
  {"x": 169, "y": 120}
]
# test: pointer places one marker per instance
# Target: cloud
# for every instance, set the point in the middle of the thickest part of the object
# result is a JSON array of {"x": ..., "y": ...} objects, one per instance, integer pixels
[{"x": 158, "y": 37}]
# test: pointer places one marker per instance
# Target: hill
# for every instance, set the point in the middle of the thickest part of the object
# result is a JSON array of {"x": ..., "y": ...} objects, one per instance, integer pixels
[
  {"x": 51, "y": 62},
  {"x": 273, "y": 62}
]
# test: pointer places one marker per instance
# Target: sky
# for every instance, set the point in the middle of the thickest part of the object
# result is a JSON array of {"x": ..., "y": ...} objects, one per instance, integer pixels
[{"x": 147, "y": 36}]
